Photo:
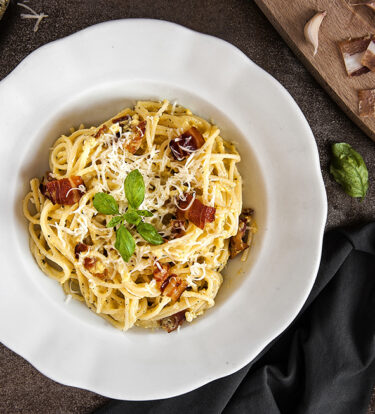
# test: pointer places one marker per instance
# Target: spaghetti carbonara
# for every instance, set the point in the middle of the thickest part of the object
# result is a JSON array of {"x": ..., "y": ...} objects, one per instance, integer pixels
[{"x": 193, "y": 196}]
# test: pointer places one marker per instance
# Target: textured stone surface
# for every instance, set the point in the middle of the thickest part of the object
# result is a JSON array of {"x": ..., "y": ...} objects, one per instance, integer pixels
[{"x": 22, "y": 388}]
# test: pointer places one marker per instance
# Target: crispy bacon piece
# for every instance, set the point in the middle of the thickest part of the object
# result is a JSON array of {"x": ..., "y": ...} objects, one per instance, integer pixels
[
  {"x": 121, "y": 119},
  {"x": 89, "y": 262},
  {"x": 80, "y": 248},
  {"x": 195, "y": 211},
  {"x": 95, "y": 267},
  {"x": 190, "y": 141},
  {"x": 101, "y": 131},
  {"x": 352, "y": 51},
  {"x": 63, "y": 191},
  {"x": 366, "y": 102},
  {"x": 171, "y": 323},
  {"x": 368, "y": 58},
  {"x": 135, "y": 141},
  {"x": 102, "y": 275},
  {"x": 237, "y": 243},
  {"x": 173, "y": 287},
  {"x": 49, "y": 176},
  {"x": 161, "y": 272}
]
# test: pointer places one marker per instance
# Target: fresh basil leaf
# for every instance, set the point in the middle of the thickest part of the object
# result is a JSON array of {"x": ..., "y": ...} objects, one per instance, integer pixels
[
  {"x": 116, "y": 220},
  {"x": 349, "y": 170},
  {"x": 144, "y": 213},
  {"x": 134, "y": 188},
  {"x": 125, "y": 243},
  {"x": 132, "y": 217},
  {"x": 149, "y": 233},
  {"x": 105, "y": 203}
]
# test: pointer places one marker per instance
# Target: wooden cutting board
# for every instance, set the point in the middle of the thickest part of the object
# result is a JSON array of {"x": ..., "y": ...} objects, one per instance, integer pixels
[{"x": 342, "y": 22}]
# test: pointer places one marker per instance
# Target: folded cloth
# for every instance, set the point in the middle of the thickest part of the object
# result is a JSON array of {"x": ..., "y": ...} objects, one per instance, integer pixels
[{"x": 322, "y": 364}]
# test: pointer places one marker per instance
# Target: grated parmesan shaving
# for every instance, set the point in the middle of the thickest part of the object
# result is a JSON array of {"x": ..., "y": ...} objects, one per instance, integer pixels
[
  {"x": 108, "y": 156},
  {"x": 34, "y": 15},
  {"x": 80, "y": 188},
  {"x": 104, "y": 162}
]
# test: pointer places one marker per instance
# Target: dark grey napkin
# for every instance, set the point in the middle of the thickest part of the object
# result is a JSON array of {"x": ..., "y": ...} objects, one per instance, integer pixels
[{"x": 322, "y": 364}]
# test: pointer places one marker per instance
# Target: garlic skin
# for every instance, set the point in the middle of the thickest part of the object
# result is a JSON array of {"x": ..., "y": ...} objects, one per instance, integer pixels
[{"x": 312, "y": 27}]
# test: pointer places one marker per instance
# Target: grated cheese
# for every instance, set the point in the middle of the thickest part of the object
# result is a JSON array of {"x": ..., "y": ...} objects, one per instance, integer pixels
[
  {"x": 126, "y": 292},
  {"x": 109, "y": 157},
  {"x": 34, "y": 15}
]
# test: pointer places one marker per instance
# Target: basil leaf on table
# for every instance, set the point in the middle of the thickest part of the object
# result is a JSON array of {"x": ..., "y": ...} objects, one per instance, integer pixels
[
  {"x": 149, "y": 233},
  {"x": 116, "y": 220},
  {"x": 125, "y": 243},
  {"x": 349, "y": 170},
  {"x": 144, "y": 213},
  {"x": 105, "y": 203},
  {"x": 134, "y": 188},
  {"x": 132, "y": 217}
]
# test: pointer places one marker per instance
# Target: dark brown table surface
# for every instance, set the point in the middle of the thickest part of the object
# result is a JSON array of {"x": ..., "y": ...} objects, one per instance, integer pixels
[{"x": 22, "y": 388}]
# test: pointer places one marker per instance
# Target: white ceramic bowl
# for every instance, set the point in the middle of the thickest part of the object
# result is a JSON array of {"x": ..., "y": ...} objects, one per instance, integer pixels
[{"x": 91, "y": 75}]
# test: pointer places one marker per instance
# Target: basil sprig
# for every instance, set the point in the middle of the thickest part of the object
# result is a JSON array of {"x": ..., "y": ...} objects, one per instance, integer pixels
[
  {"x": 105, "y": 204},
  {"x": 116, "y": 220},
  {"x": 134, "y": 187},
  {"x": 349, "y": 170},
  {"x": 149, "y": 233},
  {"x": 125, "y": 243},
  {"x": 145, "y": 213},
  {"x": 132, "y": 217}
]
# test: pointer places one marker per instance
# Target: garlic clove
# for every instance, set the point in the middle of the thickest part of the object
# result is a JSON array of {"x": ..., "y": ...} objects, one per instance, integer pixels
[{"x": 312, "y": 27}]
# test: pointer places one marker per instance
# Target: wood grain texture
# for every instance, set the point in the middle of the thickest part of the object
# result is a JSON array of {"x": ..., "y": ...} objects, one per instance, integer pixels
[{"x": 341, "y": 22}]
